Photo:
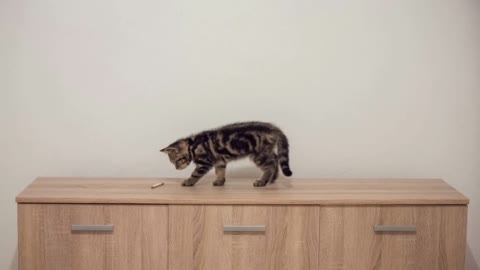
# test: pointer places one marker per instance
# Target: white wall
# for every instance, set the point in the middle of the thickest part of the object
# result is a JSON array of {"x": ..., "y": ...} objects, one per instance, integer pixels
[{"x": 363, "y": 88}]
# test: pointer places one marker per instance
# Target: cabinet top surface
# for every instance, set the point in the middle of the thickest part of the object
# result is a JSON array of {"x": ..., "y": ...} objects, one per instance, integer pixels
[{"x": 241, "y": 191}]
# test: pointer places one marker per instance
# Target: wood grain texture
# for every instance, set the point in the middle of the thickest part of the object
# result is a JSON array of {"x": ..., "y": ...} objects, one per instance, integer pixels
[
  {"x": 441, "y": 237},
  {"x": 398, "y": 249},
  {"x": 141, "y": 242},
  {"x": 46, "y": 242},
  {"x": 348, "y": 242},
  {"x": 31, "y": 236},
  {"x": 197, "y": 239},
  {"x": 241, "y": 191}
]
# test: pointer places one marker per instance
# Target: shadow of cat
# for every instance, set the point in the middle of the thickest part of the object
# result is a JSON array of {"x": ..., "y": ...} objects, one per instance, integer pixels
[{"x": 244, "y": 172}]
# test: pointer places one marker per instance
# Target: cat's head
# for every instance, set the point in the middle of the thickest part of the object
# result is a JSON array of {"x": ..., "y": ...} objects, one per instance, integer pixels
[{"x": 178, "y": 154}]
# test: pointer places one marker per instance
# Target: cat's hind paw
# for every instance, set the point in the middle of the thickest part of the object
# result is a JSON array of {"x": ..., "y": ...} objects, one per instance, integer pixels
[{"x": 219, "y": 182}]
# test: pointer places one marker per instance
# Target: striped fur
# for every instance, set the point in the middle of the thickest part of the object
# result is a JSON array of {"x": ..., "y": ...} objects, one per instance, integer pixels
[{"x": 215, "y": 148}]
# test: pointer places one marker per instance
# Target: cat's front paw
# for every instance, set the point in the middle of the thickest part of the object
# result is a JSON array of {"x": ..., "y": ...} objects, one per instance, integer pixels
[
  {"x": 259, "y": 183},
  {"x": 188, "y": 183}
]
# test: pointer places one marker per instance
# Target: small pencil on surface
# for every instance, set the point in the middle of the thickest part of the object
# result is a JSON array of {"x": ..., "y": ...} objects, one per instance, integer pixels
[{"x": 157, "y": 185}]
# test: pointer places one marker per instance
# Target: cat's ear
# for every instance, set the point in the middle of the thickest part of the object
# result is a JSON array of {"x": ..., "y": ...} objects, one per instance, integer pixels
[{"x": 168, "y": 149}]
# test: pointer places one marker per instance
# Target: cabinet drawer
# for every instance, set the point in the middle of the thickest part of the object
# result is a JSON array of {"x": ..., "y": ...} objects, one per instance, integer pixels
[
  {"x": 243, "y": 237},
  {"x": 56, "y": 236},
  {"x": 392, "y": 237}
]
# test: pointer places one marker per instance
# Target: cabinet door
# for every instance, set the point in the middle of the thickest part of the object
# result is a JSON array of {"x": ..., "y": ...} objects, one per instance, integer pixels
[
  {"x": 348, "y": 240},
  {"x": 243, "y": 237},
  {"x": 47, "y": 241}
]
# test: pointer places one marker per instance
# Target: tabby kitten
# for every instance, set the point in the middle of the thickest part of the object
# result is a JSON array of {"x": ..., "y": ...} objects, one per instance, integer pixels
[{"x": 217, "y": 147}]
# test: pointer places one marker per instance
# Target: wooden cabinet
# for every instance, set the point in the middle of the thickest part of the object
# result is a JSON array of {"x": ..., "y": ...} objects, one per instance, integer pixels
[
  {"x": 97, "y": 223},
  {"x": 221, "y": 237},
  {"x": 108, "y": 237},
  {"x": 435, "y": 237}
]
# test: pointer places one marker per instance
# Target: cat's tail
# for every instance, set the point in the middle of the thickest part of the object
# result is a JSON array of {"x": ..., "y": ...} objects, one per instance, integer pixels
[{"x": 282, "y": 152}]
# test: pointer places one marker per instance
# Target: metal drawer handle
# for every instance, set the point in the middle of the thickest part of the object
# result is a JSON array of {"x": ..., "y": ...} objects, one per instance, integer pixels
[
  {"x": 395, "y": 228},
  {"x": 244, "y": 228},
  {"x": 92, "y": 228}
]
